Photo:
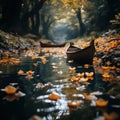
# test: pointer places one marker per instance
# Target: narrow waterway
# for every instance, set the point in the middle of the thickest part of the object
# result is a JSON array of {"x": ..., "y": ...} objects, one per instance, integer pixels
[{"x": 57, "y": 77}]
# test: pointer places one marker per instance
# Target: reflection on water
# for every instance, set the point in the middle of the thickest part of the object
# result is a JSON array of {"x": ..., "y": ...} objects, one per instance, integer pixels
[{"x": 54, "y": 77}]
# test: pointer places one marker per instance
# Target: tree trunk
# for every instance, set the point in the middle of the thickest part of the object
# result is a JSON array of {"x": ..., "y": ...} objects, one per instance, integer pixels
[
  {"x": 81, "y": 24},
  {"x": 10, "y": 13}
]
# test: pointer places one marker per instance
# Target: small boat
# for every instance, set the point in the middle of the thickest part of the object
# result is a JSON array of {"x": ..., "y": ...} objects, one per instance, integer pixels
[
  {"x": 81, "y": 56},
  {"x": 49, "y": 44}
]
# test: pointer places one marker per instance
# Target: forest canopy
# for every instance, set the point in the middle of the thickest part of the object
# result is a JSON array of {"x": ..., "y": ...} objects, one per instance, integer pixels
[{"x": 23, "y": 16}]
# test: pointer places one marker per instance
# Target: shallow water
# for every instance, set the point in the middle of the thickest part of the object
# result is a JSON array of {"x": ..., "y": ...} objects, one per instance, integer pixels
[{"x": 58, "y": 81}]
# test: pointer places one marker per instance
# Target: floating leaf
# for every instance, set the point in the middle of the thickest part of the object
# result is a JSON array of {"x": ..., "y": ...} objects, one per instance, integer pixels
[
  {"x": 9, "y": 89},
  {"x": 54, "y": 96}
]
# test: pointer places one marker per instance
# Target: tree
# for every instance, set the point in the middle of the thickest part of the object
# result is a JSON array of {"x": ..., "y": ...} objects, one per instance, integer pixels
[
  {"x": 21, "y": 15},
  {"x": 77, "y": 6},
  {"x": 30, "y": 15},
  {"x": 10, "y": 13}
]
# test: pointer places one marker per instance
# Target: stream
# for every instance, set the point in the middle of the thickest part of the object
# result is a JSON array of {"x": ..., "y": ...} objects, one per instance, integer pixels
[{"x": 54, "y": 77}]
